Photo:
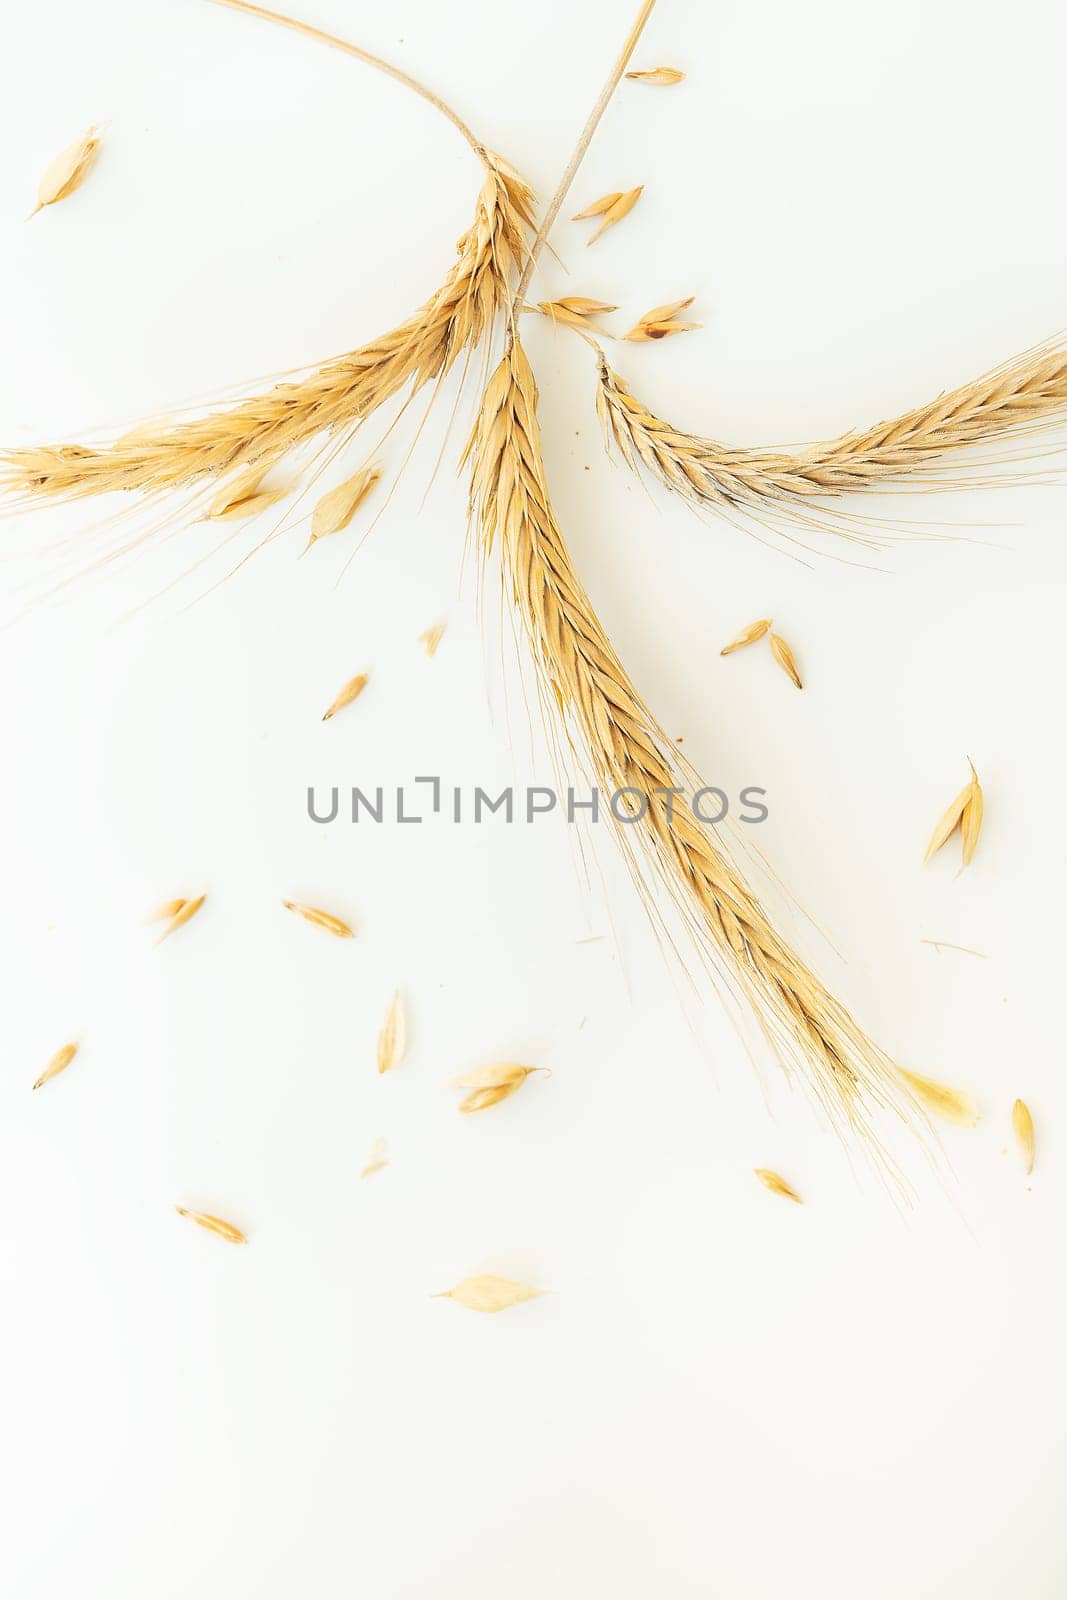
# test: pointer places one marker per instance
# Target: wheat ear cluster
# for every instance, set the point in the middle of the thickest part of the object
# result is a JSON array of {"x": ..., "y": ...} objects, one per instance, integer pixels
[
  {"x": 1027, "y": 392},
  {"x": 331, "y": 399},
  {"x": 613, "y": 731}
]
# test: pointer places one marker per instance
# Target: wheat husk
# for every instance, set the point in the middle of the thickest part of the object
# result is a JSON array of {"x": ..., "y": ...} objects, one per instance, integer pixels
[
  {"x": 392, "y": 1036},
  {"x": 488, "y": 1086},
  {"x": 320, "y": 919},
  {"x": 487, "y": 1293},
  {"x": 749, "y": 635},
  {"x": 777, "y": 1184},
  {"x": 951, "y": 1105},
  {"x": 68, "y": 171},
  {"x": 610, "y": 208},
  {"x": 216, "y": 1225},
  {"x": 660, "y": 77},
  {"x": 1022, "y": 1125},
  {"x": 785, "y": 658},
  {"x": 181, "y": 916},
  {"x": 59, "y": 1063},
  {"x": 336, "y": 508},
  {"x": 346, "y": 694},
  {"x": 613, "y": 734}
]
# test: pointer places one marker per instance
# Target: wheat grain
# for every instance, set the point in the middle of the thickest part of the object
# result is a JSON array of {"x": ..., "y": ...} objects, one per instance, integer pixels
[
  {"x": 216, "y": 1225},
  {"x": 785, "y": 659},
  {"x": 59, "y": 1063},
  {"x": 335, "y": 510},
  {"x": 965, "y": 812},
  {"x": 749, "y": 635},
  {"x": 615, "y": 734},
  {"x": 661, "y": 322},
  {"x": 332, "y": 399},
  {"x": 377, "y": 1161},
  {"x": 661, "y": 77},
  {"x": 487, "y": 1086},
  {"x": 952, "y": 1105},
  {"x": 1027, "y": 392},
  {"x": 392, "y": 1037},
  {"x": 68, "y": 171},
  {"x": 1022, "y": 1124},
  {"x": 777, "y": 1184},
  {"x": 320, "y": 919},
  {"x": 345, "y": 695},
  {"x": 485, "y": 1292},
  {"x": 610, "y": 208},
  {"x": 184, "y": 913},
  {"x": 430, "y": 638}
]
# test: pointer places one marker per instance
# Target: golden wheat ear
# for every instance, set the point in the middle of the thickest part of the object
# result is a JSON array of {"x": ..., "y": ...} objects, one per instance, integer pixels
[
  {"x": 1026, "y": 393},
  {"x": 613, "y": 734},
  {"x": 331, "y": 399}
]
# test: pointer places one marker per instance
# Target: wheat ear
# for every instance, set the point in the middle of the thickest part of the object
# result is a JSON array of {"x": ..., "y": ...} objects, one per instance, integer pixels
[
  {"x": 612, "y": 729},
  {"x": 334, "y": 397},
  {"x": 1027, "y": 392}
]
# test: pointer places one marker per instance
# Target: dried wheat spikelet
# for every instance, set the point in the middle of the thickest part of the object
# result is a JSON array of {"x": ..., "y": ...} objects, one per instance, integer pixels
[
  {"x": 610, "y": 208},
  {"x": 244, "y": 496},
  {"x": 661, "y": 77},
  {"x": 951, "y": 1105},
  {"x": 185, "y": 912},
  {"x": 777, "y": 1184},
  {"x": 485, "y": 1292},
  {"x": 392, "y": 1036},
  {"x": 661, "y": 322},
  {"x": 1027, "y": 392},
  {"x": 336, "y": 508},
  {"x": 164, "y": 912},
  {"x": 430, "y": 638},
  {"x": 68, "y": 171},
  {"x": 334, "y": 398},
  {"x": 1022, "y": 1125},
  {"x": 59, "y": 1063},
  {"x": 749, "y": 635},
  {"x": 616, "y": 737},
  {"x": 377, "y": 1161},
  {"x": 216, "y": 1225},
  {"x": 578, "y": 311},
  {"x": 965, "y": 812},
  {"x": 345, "y": 695},
  {"x": 785, "y": 659},
  {"x": 487, "y": 1086},
  {"x": 320, "y": 919}
]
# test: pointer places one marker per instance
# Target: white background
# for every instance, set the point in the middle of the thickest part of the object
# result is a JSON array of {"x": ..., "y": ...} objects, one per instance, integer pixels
[{"x": 724, "y": 1395}]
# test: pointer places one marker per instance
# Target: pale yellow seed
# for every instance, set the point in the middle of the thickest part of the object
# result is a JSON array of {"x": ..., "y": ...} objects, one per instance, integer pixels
[
  {"x": 1022, "y": 1124},
  {"x": 320, "y": 919},
  {"x": 662, "y": 77},
  {"x": 338, "y": 506},
  {"x": 184, "y": 913},
  {"x": 777, "y": 1185},
  {"x": 243, "y": 497},
  {"x": 392, "y": 1036},
  {"x": 611, "y": 208},
  {"x": 948, "y": 822},
  {"x": 59, "y": 1063},
  {"x": 785, "y": 659},
  {"x": 749, "y": 635},
  {"x": 351, "y": 691},
  {"x": 971, "y": 820},
  {"x": 164, "y": 912},
  {"x": 204, "y": 1219},
  {"x": 489, "y": 1085},
  {"x": 577, "y": 311},
  {"x": 68, "y": 171},
  {"x": 431, "y": 638},
  {"x": 951, "y": 1105},
  {"x": 377, "y": 1160},
  {"x": 484, "y": 1292}
]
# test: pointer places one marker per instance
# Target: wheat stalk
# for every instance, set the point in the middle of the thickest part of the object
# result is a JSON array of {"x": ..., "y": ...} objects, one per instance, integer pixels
[
  {"x": 1027, "y": 392},
  {"x": 626, "y": 749},
  {"x": 337, "y": 396}
]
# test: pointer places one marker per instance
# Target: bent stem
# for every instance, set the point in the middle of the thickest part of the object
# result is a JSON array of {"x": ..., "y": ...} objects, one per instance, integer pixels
[
  {"x": 366, "y": 56},
  {"x": 579, "y": 151}
]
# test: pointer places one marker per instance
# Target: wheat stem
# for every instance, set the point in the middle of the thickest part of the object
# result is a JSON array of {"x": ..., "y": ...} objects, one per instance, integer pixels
[
  {"x": 366, "y": 56},
  {"x": 580, "y": 148}
]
